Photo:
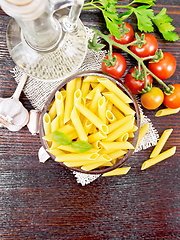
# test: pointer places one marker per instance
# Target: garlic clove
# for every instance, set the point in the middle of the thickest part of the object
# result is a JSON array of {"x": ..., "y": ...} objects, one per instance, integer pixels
[
  {"x": 33, "y": 123},
  {"x": 43, "y": 155}
]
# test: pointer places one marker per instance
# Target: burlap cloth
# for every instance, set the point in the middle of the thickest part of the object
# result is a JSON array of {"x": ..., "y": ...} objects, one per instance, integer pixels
[{"x": 38, "y": 91}]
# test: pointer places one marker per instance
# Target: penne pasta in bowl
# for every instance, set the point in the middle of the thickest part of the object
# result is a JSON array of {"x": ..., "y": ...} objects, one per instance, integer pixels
[{"x": 90, "y": 123}]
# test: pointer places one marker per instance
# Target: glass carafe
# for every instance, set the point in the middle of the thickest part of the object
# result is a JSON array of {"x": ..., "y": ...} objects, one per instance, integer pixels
[{"x": 46, "y": 37}]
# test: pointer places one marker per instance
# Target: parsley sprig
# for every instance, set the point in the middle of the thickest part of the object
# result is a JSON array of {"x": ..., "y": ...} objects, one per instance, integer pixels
[{"x": 146, "y": 19}]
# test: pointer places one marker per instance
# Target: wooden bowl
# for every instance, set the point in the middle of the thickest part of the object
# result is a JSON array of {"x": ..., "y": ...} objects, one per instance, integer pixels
[{"x": 137, "y": 116}]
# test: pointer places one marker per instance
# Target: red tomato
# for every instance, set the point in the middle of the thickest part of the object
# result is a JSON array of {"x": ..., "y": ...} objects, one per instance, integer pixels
[
  {"x": 136, "y": 86},
  {"x": 165, "y": 68},
  {"x": 126, "y": 37},
  {"x": 118, "y": 69},
  {"x": 148, "y": 49},
  {"x": 152, "y": 99},
  {"x": 173, "y": 100}
]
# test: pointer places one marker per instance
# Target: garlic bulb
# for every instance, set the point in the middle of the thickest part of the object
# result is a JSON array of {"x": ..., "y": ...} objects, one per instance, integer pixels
[
  {"x": 33, "y": 124},
  {"x": 13, "y": 115}
]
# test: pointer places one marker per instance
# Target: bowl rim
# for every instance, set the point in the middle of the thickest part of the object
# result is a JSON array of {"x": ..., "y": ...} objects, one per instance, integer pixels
[{"x": 123, "y": 87}]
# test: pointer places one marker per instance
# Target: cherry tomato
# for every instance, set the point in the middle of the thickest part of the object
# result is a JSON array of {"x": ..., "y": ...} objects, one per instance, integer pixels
[
  {"x": 165, "y": 68},
  {"x": 126, "y": 37},
  {"x": 118, "y": 69},
  {"x": 136, "y": 86},
  {"x": 148, "y": 49},
  {"x": 173, "y": 100},
  {"x": 152, "y": 99}
]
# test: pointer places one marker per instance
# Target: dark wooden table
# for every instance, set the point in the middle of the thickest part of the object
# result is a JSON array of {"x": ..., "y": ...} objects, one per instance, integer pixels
[{"x": 44, "y": 201}]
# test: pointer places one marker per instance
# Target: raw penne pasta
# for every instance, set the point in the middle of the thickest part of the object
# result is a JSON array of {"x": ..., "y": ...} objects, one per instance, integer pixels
[
  {"x": 144, "y": 129},
  {"x": 123, "y": 138},
  {"x": 96, "y": 144},
  {"x": 102, "y": 109},
  {"x": 72, "y": 135},
  {"x": 109, "y": 106},
  {"x": 162, "y": 156},
  {"x": 94, "y": 84},
  {"x": 47, "y": 124},
  {"x": 96, "y": 136},
  {"x": 110, "y": 116},
  {"x": 116, "y": 154},
  {"x": 91, "y": 94},
  {"x": 113, "y": 126},
  {"x": 92, "y": 117},
  {"x": 70, "y": 87},
  {"x": 85, "y": 89},
  {"x": 78, "y": 83},
  {"x": 65, "y": 129},
  {"x": 94, "y": 103},
  {"x": 54, "y": 145},
  {"x": 78, "y": 125},
  {"x": 87, "y": 126},
  {"x": 59, "y": 100},
  {"x": 160, "y": 144},
  {"x": 167, "y": 111},
  {"x": 76, "y": 157},
  {"x": 52, "y": 110},
  {"x": 90, "y": 79},
  {"x": 101, "y": 160},
  {"x": 120, "y": 131},
  {"x": 119, "y": 103},
  {"x": 117, "y": 113},
  {"x": 55, "y": 124},
  {"x": 107, "y": 164},
  {"x": 77, "y": 96},
  {"x": 69, "y": 148},
  {"x": 131, "y": 135},
  {"x": 115, "y": 89},
  {"x": 92, "y": 166},
  {"x": 117, "y": 145},
  {"x": 117, "y": 171},
  {"x": 56, "y": 152}
]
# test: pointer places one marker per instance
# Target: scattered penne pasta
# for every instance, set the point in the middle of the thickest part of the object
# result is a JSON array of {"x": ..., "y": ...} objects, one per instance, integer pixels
[
  {"x": 162, "y": 156},
  {"x": 167, "y": 111},
  {"x": 159, "y": 146}
]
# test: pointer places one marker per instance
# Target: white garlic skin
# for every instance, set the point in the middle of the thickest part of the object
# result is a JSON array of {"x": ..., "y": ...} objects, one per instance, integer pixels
[{"x": 33, "y": 123}]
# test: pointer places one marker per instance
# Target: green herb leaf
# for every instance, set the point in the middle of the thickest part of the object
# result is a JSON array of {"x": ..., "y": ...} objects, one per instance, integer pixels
[
  {"x": 125, "y": 15},
  {"x": 81, "y": 146},
  {"x": 144, "y": 16},
  {"x": 149, "y": 2},
  {"x": 163, "y": 22},
  {"x": 61, "y": 138},
  {"x": 113, "y": 27}
]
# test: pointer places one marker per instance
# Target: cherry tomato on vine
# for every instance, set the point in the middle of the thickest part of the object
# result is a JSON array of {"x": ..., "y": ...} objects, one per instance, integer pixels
[
  {"x": 152, "y": 99},
  {"x": 165, "y": 68},
  {"x": 126, "y": 33},
  {"x": 136, "y": 86},
  {"x": 173, "y": 100},
  {"x": 147, "y": 49},
  {"x": 118, "y": 69}
]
